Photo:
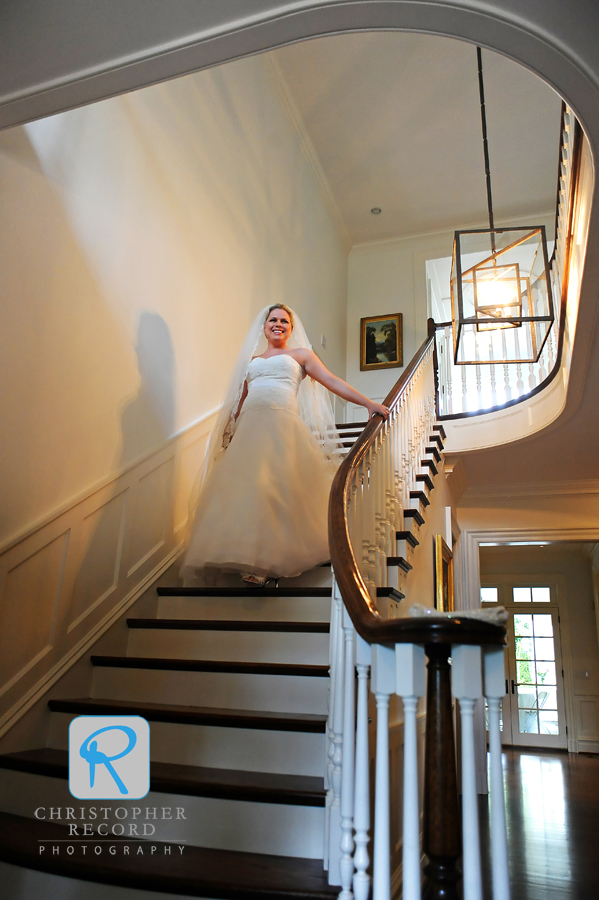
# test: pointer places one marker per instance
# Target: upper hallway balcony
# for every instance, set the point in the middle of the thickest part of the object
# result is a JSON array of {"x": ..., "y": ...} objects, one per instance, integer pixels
[{"x": 497, "y": 402}]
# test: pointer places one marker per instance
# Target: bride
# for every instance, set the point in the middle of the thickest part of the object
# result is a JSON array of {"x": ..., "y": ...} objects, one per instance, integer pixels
[{"x": 262, "y": 509}]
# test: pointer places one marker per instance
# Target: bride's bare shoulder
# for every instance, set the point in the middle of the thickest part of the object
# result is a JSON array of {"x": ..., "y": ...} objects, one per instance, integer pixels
[{"x": 301, "y": 354}]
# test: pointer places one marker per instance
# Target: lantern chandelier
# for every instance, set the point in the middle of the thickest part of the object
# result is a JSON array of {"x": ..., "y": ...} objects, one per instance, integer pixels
[{"x": 501, "y": 305}]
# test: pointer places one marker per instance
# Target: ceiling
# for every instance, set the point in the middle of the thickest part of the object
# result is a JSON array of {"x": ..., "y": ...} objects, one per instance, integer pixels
[{"x": 394, "y": 119}]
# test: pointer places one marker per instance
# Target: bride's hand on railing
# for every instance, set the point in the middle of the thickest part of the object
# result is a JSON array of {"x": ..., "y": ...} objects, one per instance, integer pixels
[{"x": 377, "y": 409}]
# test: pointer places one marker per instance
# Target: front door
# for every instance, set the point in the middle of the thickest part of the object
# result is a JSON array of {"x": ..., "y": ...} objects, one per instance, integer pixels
[{"x": 534, "y": 711}]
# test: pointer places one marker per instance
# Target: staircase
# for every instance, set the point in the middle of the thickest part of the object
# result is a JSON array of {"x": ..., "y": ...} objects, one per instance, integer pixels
[{"x": 234, "y": 682}]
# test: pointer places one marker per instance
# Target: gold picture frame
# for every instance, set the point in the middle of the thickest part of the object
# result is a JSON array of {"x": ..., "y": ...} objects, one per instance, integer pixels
[
  {"x": 443, "y": 576},
  {"x": 381, "y": 342}
]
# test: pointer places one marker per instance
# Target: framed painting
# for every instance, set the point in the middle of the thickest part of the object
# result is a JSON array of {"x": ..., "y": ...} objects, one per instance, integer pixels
[
  {"x": 443, "y": 576},
  {"x": 381, "y": 342}
]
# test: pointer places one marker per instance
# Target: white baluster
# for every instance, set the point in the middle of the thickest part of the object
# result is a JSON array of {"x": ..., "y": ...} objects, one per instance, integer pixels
[
  {"x": 335, "y": 812},
  {"x": 362, "y": 784},
  {"x": 383, "y": 685},
  {"x": 330, "y": 744},
  {"x": 494, "y": 670},
  {"x": 410, "y": 667},
  {"x": 466, "y": 685},
  {"x": 346, "y": 863}
]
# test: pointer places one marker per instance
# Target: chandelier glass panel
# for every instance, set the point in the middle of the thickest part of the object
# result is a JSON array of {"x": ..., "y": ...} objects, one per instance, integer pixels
[
  {"x": 501, "y": 304},
  {"x": 500, "y": 295}
]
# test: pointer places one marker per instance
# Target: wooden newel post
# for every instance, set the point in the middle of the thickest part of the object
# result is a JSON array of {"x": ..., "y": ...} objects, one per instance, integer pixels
[{"x": 441, "y": 840}]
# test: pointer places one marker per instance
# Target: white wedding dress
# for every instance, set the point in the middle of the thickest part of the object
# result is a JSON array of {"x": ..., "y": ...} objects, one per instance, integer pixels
[{"x": 264, "y": 507}]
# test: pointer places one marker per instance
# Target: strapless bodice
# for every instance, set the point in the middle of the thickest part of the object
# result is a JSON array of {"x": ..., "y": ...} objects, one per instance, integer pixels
[{"x": 273, "y": 383}]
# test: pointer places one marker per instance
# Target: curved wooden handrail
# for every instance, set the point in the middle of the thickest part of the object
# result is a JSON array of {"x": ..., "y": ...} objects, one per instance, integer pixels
[{"x": 366, "y": 619}]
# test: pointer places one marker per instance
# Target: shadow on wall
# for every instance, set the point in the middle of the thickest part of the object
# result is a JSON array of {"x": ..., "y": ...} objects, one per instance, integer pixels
[{"x": 147, "y": 422}]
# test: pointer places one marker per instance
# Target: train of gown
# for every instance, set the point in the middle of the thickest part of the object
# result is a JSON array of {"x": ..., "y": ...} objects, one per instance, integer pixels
[{"x": 264, "y": 508}]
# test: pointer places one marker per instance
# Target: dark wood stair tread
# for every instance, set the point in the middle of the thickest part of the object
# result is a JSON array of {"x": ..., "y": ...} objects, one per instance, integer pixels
[
  {"x": 420, "y": 495},
  {"x": 423, "y": 478},
  {"x": 243, "y": 592},
  {"x": 407, "y": 536},
  {"x": 197, "y": 781},
  {"x": 429, "y": 464},
  {"x": 434, "y": 452},
  {"x": 437, "y": 439},
  {"x": 209, "y": 665},
  {"x": 261, "y": 720},
  {"x": 400, "y": 562},
  {"x": 230, "y": 625},
  {"x": 438, "y": 427},
  {"x": 414, "y": 514},
  {"x": 361, "y": 425},
  {"x": 390, "y": 592},
  {"x": 197, "y": 872}
]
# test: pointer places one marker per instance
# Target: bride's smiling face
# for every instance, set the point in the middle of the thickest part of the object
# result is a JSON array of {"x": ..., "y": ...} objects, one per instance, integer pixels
[{"x": 278, "y": 326}]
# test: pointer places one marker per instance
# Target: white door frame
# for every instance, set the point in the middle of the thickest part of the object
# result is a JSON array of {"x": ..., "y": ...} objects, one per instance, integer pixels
[{"x": 469, "y": 545}]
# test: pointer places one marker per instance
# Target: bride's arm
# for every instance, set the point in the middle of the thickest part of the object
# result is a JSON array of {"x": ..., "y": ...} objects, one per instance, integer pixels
[{"x": 319, "y": 372}]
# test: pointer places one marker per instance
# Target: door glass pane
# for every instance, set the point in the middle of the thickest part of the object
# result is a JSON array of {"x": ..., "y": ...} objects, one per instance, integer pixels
[
  {"x": 546, "y": 673},
  {"x": 523, "y": 626},
  {"x": 488, "y": 595},
  {"x": 521, "y": 595},
  {"x": 541, "y": 595},
  {"x": 548, "y": 722},
  {"x": 543, "y": 625},
  {"x": 528, "y": 722},
  {"x": 527, "y": 696},
  {"x": 525, "y": 672},
  {"x": 524, "y": 648},
  {"x": 544, "y": 648},
  {"x": 547, "y": 697}
]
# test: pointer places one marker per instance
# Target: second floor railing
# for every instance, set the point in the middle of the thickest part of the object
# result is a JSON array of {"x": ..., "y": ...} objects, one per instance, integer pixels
[{"x": 377, "y": 498}]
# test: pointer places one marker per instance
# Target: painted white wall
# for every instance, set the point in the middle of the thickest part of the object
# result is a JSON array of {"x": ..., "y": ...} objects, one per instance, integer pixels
[
  {"x": 138, "y": 238},
  {"x": 389, "y": 277}
]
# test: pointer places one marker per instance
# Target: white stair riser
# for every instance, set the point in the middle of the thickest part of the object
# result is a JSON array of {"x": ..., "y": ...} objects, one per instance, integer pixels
[
  {"x": 277, "y": 829},
  {"x": 417, "y": 504},
  {"x": 318, "y": 577},
  {"x": 251, "y": 749},
  {"x": 277, "y": 609},
  {"x": 396, "y": 578},
  {"x": 241, "y": 646},
  {"x": 225, "y": 690},
  {"x": 405, "y": 549}
]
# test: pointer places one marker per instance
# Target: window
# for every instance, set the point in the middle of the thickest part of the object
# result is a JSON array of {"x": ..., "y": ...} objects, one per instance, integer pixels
[
  {"x": 532, "y": 595},
  {"x": 488, "y": 594}
]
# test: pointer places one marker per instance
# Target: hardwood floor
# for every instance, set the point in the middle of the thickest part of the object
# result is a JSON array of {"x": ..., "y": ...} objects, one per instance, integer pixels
[{"x": 552, "y": 818}]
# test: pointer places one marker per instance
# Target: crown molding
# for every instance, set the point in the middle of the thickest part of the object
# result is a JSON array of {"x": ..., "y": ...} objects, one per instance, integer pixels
[
  {"x": 531, "y": 489},
  {"x": 517, "y": 221},
  {"x": 273, "y": 68}
]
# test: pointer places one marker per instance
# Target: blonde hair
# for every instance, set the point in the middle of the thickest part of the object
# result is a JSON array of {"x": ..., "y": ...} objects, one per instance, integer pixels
[{"x": 279, "y": 306}]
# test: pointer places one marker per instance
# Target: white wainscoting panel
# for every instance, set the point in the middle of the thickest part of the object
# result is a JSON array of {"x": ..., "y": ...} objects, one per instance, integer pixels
[
  {"x": 152, "y": 516},
  {"x": 101, "y": 548},
  {"x": 587, "y": 722},
  {"x": 68, "y": 579},
  {"x": 29, "y": 609}
]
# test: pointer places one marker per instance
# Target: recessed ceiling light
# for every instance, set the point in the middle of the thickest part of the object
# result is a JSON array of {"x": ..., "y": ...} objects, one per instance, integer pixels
[{"x": 376, "y": 210}]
